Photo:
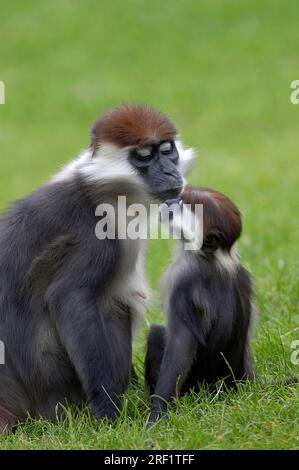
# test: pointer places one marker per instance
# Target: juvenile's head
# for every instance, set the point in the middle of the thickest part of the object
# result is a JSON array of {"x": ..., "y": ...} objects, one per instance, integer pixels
[
  {"x": 141, "y": 144},
  {"x": 222, "y": 224}
]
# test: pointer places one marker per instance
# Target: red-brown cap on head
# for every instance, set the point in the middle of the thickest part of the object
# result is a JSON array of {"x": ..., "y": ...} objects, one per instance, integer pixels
[
  {"x": 220, "y": 215},
  {"x": 132, "y": 125}
]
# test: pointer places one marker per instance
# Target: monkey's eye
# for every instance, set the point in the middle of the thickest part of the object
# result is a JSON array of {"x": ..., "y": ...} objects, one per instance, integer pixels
[
  {"x": 166, "y": 147},
  {"x": 144, "y": 152}
]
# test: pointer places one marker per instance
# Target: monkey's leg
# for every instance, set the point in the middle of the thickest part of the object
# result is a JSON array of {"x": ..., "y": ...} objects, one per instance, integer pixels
[
  {"x": 154, "y": 355},
  {"x": 239, "y": 366},
  {"x": 119, "y": 332},
  {"x": 178, "y": 356},
  {"x": 82, "y": 330},
  {"x": 7, "y": 419}
]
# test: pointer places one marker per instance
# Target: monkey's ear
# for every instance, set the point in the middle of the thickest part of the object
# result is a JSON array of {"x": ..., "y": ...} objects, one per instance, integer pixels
[{"x": 210, "y": 243}]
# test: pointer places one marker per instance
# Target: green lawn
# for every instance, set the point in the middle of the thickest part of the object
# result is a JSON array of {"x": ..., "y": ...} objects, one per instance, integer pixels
[{"x": 222, "y": 70}]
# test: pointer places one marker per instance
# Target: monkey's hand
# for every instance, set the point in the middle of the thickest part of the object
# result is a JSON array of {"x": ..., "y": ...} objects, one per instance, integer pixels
[{"x": 158, "y": 412}]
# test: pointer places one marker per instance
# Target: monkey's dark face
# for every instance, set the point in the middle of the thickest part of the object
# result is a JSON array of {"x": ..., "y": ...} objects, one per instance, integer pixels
[{"x": 157, "y": 163}]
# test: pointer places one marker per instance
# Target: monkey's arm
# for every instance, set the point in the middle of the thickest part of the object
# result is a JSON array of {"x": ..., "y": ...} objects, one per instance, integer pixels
[
  {"x": 74, "y": 300},
  {"x": 178, "y": 356}
]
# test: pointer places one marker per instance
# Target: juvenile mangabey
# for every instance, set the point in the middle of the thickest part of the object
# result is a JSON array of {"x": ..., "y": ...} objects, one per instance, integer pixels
[
  {"x": 68, "y": 300},
  {"x": 209, "y": 303}
]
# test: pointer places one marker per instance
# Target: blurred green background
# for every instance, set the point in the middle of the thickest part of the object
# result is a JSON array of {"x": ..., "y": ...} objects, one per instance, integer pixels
[{"x": 221, "y": 70}]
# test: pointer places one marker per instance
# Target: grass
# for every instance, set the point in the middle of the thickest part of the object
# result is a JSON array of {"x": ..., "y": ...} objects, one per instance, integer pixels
[{"x": 222, "y": 70}]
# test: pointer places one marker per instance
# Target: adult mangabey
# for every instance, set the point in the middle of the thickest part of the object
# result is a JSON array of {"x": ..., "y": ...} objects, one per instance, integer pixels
[
  {"x": 209, "y": 303},
  {"x": 68, "y": 300}
]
